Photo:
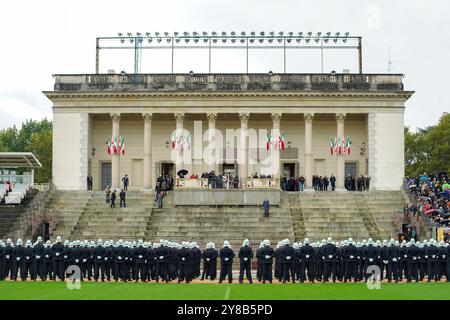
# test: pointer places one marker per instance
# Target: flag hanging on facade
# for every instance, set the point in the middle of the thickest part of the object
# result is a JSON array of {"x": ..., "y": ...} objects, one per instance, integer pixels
[
  {"x": 269, "y": 139},
  {"x": 115, "y": 146},
  {"x": 348, "y": 145},
  {"x": 122, "y": 145},
  {"x": 331, "y": 146},
  {"x": 108, "y": 143},
  {"x": 344, "y": 145},
  {"x": 282, "y": 136},
  {"x": 340, "y": 146}
]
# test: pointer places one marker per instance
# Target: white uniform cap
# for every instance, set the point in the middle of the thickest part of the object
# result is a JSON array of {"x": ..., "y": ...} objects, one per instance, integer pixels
[
  {"x": 329, "y": 240},
  {"x": 306, "y": 240},
  {"x": 39, "y": 239},
  {"x": 28, "y": 243},
  {"x": 8, "y": 241},
  {"x": 226, "y": 243},
  {"x": 295, "y": 245},
  {"x": 66, "y": 243},
  {"x": 99, "y": 241},
  {"x": 58, "y": 239},
  {"x": 246, "y": 242}
]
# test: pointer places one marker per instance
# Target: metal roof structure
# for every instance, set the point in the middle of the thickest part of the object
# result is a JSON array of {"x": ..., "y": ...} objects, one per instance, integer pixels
[{"x": 19, "y": 160}]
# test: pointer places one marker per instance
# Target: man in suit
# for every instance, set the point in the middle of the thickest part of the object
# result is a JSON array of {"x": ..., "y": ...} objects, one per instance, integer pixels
[
  {"x": 226, "y": 255},
  {"x": 266, "y": 207},
  {"x": 333, "y": 182},
  {"x": 126, "y": 182},
  {"x": 245, "y": 259},
  {"x": 113, "y": 199}
]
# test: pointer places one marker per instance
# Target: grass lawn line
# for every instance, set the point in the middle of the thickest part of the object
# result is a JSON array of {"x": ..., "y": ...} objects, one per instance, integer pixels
[{"x": 153, "y": 291}]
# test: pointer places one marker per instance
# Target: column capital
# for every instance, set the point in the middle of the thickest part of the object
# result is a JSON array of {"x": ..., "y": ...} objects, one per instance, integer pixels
[
  {"x": 115, "y": 117},
  {"x": 277, "y": 116},
  {"x": 244, "y": 116},
  {"x": 147, "y": 116},
  {"x": 308, "y": 116},
  {"x": 179, "y": 117},
  {"x": 211, "y": 116},
  {"x": 341, "y": 116}
]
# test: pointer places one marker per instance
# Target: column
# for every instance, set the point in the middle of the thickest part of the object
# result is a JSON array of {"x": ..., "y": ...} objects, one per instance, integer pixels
[
  {"x": 340, "y": 165},
  {"x": 212, "y": 163},
  {"x": 115, "y": 158},
  {"x": 243, "y": 150},
  {"x": 147, "y": 150},
  {"x": 179, "y": 119},
  {"x": 308, "y": 117},
  {"x": 276, "y": 121}
]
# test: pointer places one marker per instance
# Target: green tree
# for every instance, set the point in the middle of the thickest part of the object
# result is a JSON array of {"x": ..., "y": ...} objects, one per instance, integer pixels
[{"x": 41, "y": 145}]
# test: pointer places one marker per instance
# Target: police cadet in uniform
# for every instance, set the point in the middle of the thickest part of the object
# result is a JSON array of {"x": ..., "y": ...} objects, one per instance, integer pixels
[
  {"x": 8, "y": 262},
  {"x": 162, "y": 253},
  {"x": 394, "y": 256},
  {"x": 27, "y": 261},
  {"x": 38, "y": 249},
  {"x": 306, "y": 262},
  {"x": 350, "y": 254},
  {"x": 173, "y": 260},
  {"x": 245, "y": 256},
  {"x": 77, "y": 254},
  {"x": 151, "y": 262},
  {"x": 412, "y": 253},
  {"x": 384, "y": 259},
  {"x": 18, "y": 259},
  {"x": 210, "y": 262},
  {"x": 67, "y": 257},
  {"x": 422, "y": 259},
  {"x": 259, "y": 262},
  {"x": 445, "y": 255},
  {"x": 99, "y": 262},
  {"x": 140, "y": 255},
  {"x": 442, "y": 251},
  {"x": 339, "y": 261},
  {"x": 296, "y": 261},
  {"x": 226, "y": 255},
  {"x": 185, "y": 259},
  {"x": 371, "y": 254},
  {"x": 432, "y": 256},
  {"x": 278, "y": 272},
  {"x": 328, "y": 255},
  {"x": 119, "y": 255},
  {"x": 403, "y": 266},
  {"x": 58, "y": 260},
  {"x": 48, "y": 262},
  {"x": 2, "y": 247},
  {"x": 266, "y": 255},
  {"x": 287, "y": 254}
]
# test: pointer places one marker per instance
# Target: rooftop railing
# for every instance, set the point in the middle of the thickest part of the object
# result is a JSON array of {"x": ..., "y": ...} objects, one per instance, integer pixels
[{"x": 229, "y": 82}]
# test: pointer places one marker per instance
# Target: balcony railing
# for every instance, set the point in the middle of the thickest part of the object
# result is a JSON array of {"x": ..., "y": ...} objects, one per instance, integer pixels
[{"x": 229, "y": 82}]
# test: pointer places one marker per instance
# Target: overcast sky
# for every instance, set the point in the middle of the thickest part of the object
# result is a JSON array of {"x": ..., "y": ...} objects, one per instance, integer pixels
[{"x": 45, "y": 37}]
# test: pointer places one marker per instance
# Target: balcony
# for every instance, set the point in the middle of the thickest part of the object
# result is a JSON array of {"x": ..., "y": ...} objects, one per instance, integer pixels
[{"x": 229, "y": 82}]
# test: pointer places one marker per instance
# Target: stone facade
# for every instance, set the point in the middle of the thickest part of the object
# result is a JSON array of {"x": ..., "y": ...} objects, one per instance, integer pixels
[{"x": 311, "y": 109}]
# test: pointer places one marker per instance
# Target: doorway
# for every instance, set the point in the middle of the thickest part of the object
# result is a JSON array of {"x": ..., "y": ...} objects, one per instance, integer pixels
[
  {"x": 289, "y": 170},
  {"x": 167, "y": 169},
  {"x": 229, "y": 168},
  {"x": 351, "y": 169},
  {"x": 105, "y": 175}
]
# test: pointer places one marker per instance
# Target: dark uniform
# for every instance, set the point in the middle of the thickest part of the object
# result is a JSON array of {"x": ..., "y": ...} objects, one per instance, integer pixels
[
  {"x": 394, "y": 263},
  {"x": 48, "y": 263},
  {"x": 432, "y": 255},
  {"x": 245, "y": 259},
  {"x": 185, "y": 263},
  {"x": 38, "y": 260},
  {"x": 210, "y": 263},
  {"x": 58, "y": 261},
  {"x": 287, "y": 254},
  {"x": 412, "y": 252},
  {"x": 329, "y": 251},
  {"x": 226, "y": 255},
  {"x": 350, "y": 254},
  {"x": 8, "y": 262},
  {"x": 140, "y": 256},
  {"x": 18, "y": 261},
  {"x": 307, "y": 263},
  {"x": 99, "y": 262},
  {"x": 162, "y": 254},
  {"x": 27, "y": 267},
  {"x": 266, "y": 255}
]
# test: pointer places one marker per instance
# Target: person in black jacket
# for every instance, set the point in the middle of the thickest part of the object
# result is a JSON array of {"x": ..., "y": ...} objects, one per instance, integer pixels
[
  {"x": 122, "y": 195},
  {"x": 384, "y": 260},
  {"x": 48, "y": 267},
  {"x": 394, "y": 262},
  {"x": 67, "y": 256},
  {"x": 27, "y": 267},
  {"x": 245, "y": 260},
  {"x": 185, "y": 257},
  {"x": 151, "y": 261},
  {"x": 413, "y": 253},
  {"x": 210, "y": 262},
  {"x": 162, "y": 254},
  {"x": 77, "y": 255},
  {"x": 139, "y": 257},
  {"x": 99, "y": 261},
  {"x": 113, "y": 199},
  {"x": 226, "y": 255},
  {"x": 350, "y": 253},
  {"x": 259, "y": 262},
  {"x": 328, "y": 252},
  {"x": 306, "y": 262},
  {"x": 287, "y": 255},
  {"x": 266, "y": 255},
  {"x": 18, "y": 259},
  {"x": 432, "y": 256},
  {"x": 38, "y": 259},
  {"x": 7, "y": 259}
]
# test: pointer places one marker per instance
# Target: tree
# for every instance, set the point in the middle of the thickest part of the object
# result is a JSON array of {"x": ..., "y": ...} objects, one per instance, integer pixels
[{"x": 41, "y": 145}]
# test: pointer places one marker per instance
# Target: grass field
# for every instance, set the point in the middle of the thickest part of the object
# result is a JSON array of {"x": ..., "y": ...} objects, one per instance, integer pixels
[{"x": 153, "y": 291}]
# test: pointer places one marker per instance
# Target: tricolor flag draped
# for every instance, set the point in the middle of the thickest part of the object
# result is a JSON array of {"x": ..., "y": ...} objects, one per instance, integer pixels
[
  {"x": 340, "y": 146},
  {"x": 332, "y": 146},
  {"x": 269, "y": 140},
  {"x": 108, "y": 143},
  {"x": 348, "y": 145},
  {"x": 122, "y": 145},
  {"x": 115, "y": 146}
]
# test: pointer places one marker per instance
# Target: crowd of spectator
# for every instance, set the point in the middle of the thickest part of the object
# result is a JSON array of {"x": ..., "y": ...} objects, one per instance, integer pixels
[{"x": 432, "y": 195}]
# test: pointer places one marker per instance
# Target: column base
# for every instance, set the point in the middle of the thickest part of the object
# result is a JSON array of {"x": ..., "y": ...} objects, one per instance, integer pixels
[{"x": 340, "y": 189}]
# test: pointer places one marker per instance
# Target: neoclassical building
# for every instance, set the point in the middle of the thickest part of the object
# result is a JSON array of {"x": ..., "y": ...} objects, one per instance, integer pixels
[{"x": 146, "y": 109}]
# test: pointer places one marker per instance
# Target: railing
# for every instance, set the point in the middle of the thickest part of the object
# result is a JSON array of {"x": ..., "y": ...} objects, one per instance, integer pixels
[
  {"x": 256, "y": 82},
  {"x": 263, "y": 183}
]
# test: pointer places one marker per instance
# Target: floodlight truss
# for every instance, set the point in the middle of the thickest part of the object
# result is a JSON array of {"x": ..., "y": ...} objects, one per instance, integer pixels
[{"x": 232, "y": 40}]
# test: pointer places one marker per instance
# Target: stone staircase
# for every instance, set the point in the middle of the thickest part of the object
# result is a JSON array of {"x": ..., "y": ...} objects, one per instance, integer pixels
[
  {"x": 216, "y": 224},
  {"x": 69, "y": 205},
  {"x": 341, "y": 215},
  {"x": 99, "y": 221}
]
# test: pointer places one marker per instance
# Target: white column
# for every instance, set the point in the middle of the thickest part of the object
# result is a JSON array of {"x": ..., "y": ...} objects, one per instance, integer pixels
[
  {"x": 340, "y": 165},
  {"x": 147, "y": 150},
  {"x": 243, "y": 150},
  {"x": 276, "y": 122},
  {"x": 212, "y": 117},
  {"x": 115, "y": 158},
  {"x": 179, "y": 119},
  {"x": 308, "y": 117}
]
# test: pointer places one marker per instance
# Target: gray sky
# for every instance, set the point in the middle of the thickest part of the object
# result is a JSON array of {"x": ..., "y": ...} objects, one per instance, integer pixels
[{"x": 41, "y": 38}]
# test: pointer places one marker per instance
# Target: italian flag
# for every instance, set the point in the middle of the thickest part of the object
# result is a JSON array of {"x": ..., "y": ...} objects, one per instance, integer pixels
[
  {"x": 108, "y": 143},
  {"x": 115, "y": 146},
  {"x": 344, "y": 145},
  {"x": 332, "y": 146},
  {"x": 269, "y": 138},
  {"x": 340, "y": 147},
  {"x": 122, "y": 145},
  {"x": 348, "y": 145},
  {"x": 282, "y": 140}
]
